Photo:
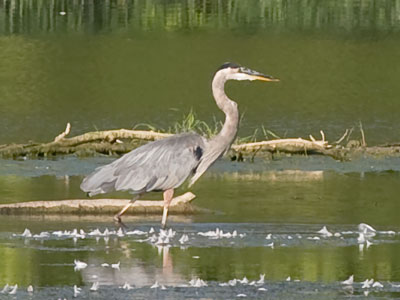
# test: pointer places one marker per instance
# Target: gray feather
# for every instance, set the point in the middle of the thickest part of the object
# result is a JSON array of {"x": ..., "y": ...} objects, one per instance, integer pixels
[{"x": 159, "y": 165}]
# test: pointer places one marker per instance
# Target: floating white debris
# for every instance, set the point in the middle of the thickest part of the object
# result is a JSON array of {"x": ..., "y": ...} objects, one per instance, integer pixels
[
  {"x": 271, "y": 245},
  {"x": 105, "y": 265},
  {"x": 151, "y": 230},
  {"x": 30, "y": 289},
  {"x": 77, "y": 291},
  {"x": 367, "y": 283},
  {"x": 162, "y": 240},
  {"x": 337, "y": 234},
  {"x": 262, "y": 289},
  {"x": 120, "y": 233},
  {"x": 26, "y": 233},
  {"x": 269, "y": 236},
  {"x": 13, "y": 289},
  {"x": 43, "y": 234},
  {"x": 116, "y": 266},
  {"x": 196, "y": 257},
  {"x": 232, "y": 282},
  {"x": 290, "y": 237},
  {"x": 136, "y": 232},
  {"x": 395, "y": 285},
  {"x": 347, "y": 232},
  {"x": 152, "y": 239},
  {"x": 95, "y": 286},
  {"x": 127, "y": 286},
  {"x": 261, "y": 280},
  {"x": 348, "y": 281},
  {"x": 366, "y": 229},
  {"x": 219, "y": 234},
  {"x": 184, "y": 239},
  {"x": 75, "y": 234},
  {"x": 314, "y": 238},
  {"x": 197, "y": 282},
  {"x": 377, "y": 284},
  {"x": 5, "y": 289},
  {"x": 155, "y": 285},
  {"x": 241, "y": 295},
  {"x": 62, "y": 13},
  {"x": 325, "y": 232},
  {"x": 389, "y": 232},
  {"x": 79, "y": 265},
  {"x": 288, "y": 278},
  {"x": 95, "y": 232},
  {"x": 244, "y": 280}
]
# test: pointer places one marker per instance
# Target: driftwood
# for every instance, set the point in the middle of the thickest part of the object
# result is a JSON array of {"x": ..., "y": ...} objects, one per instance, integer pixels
[
  {"x": 103, "y": 142},
  {"x": 284, "y": 145},
  {"x": 179, "y": 205},
  {"x": 121, "y": 141}
]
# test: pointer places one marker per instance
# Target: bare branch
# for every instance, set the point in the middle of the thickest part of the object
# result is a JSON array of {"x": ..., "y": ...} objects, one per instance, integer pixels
[{"x": 63, "y": 134}]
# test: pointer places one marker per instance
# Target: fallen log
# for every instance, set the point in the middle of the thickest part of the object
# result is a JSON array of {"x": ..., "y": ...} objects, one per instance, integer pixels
[
  {"x": 121, "y": 141},
  {"x": 179, "y": 205},
  {"x": 285, "y": 145},
  {"x": 103, "y": 142}
]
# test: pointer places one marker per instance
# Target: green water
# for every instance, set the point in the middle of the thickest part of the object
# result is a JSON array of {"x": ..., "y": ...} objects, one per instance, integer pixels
[
  {"x": 117, "y": 64},
  {"x": 120, "y": 63}
]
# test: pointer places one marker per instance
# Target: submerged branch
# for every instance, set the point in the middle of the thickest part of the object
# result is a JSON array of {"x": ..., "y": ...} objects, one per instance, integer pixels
[{"x": 179, "y": 205}]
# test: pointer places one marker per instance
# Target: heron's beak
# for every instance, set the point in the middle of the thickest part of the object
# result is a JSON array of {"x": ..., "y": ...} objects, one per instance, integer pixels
[{"x": 257, "y": 75}]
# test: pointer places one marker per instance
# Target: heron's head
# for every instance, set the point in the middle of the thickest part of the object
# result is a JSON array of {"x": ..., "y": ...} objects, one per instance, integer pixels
[{"x": 236, "y": 72}]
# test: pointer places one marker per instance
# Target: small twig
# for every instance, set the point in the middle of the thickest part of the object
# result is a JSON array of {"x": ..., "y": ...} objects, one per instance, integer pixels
[
  {"x": 63, "y": 134},
  {"x": 322, "y": 135},
  {"x": 364, "y": 144},
  {"x": 343, "y": 137},
  {"x": 350, "y": 132}
]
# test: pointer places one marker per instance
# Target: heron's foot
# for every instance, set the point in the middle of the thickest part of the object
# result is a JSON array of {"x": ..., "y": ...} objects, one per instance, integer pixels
[
  {"x": 121, "y": 225},
  {"x": 117, "y": 218}
]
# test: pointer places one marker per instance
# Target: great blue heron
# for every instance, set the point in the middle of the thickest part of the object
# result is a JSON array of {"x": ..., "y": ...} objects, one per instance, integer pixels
[{"x": 164, "y": 165}]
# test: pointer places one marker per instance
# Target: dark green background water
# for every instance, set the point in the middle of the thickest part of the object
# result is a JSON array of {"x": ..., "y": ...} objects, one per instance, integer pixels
[{"x": 115, "y": 64}]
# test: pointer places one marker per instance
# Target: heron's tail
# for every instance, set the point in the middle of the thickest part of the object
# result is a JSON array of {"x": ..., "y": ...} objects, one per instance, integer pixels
[{"x": 101, "y": 181}]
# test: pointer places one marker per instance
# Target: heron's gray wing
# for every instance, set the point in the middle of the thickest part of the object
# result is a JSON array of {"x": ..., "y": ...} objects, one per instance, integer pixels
[{"x": 158, "y": 165}]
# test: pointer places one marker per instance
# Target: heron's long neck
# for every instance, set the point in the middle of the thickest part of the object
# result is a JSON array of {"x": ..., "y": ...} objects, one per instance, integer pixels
[{"x": 228, "y": 133}]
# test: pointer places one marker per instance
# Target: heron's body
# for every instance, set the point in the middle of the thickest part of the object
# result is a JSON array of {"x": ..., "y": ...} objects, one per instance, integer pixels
[
  {"x": 164, "y": 165},
  {"x": 157, "y": 166}
]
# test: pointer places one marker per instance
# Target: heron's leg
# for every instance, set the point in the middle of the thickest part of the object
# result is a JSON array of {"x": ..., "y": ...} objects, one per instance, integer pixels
[
  {"x": 117, "y": 217},
  {"x": 168, "y": 194}
]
